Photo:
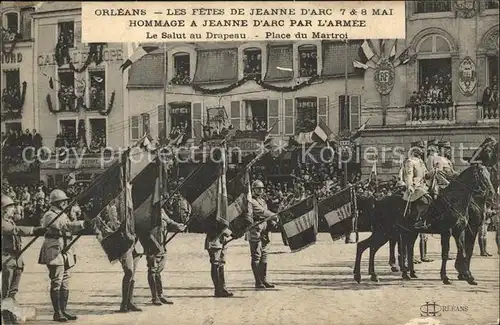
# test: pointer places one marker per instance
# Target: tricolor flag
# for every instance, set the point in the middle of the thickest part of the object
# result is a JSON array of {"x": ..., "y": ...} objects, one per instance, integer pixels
[
  {"x": 357, "y": 134},
  {"x": 366, "y": 52},
  {"x": 321, "y": 132},
  {"x": 137, "y": 54},
  {"x": 392, "y": 55},
  {"x": 300, "y": 224},
  {"x": 200, "y": 189},
  {"x": 359, "y": 65},
  {"x": 338, "y": 212},
  {"x": 405, "y": 57}
]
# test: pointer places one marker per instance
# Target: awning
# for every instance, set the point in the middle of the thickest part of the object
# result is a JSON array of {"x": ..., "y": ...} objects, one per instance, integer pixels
[
  {"x": 217, "y": 65},
  {"x": 282, "y": 57},
  {"x": 147, "y": 72},
  {"x": 334, "y": 59}
]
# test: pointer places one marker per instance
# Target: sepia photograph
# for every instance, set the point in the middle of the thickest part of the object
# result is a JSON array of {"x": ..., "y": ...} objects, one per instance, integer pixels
[{"x": 264, "y": 163}]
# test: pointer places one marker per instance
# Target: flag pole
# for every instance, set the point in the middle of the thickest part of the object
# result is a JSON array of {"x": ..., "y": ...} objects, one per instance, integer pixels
[
  {"x": 346, "y": 100},
  {"x": 163, "y": 136}
]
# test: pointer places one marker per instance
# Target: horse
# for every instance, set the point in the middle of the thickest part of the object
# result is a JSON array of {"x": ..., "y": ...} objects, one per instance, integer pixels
[{"x": 449, "y": 215}]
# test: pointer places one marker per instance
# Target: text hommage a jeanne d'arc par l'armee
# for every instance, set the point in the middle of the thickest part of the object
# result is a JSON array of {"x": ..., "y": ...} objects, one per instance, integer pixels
[{"x": 184, "y": 20}]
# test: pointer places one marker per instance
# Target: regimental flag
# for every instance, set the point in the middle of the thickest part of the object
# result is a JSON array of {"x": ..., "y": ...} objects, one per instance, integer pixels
[
  {"x": 338, "y": 212},
  {"x": 200, "y": 190},
  {"x": 137, "y": 54},
  {"x": 365, "y": 52},
  {"x": 300, "y": 224}
]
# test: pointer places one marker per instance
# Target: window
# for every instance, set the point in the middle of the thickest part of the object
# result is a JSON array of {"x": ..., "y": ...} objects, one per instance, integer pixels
[
  {"x": 256, "y": 115},
  {"x": 66, "y": 93},
  {"x": 182, "y": 69},
  {"x": 180, "y": 117},
  {"x": 252, "y": 62},
  {"x": 11, "y": 94},
  {"x": 97, "y": 90},
  {"x": 66, "y": 33},
  {"x": 307, "y": 110},
  {"x": 26, "y": 22},
  {"x": 349, "y": 112},
  {"x": 427, "y": 6},
  {"x": 493, "y": 71},
  {"x": 97, "y": 134},
  {"x": 492, "y": 4},
  {"x": 13, "y": 126},
  {"x": 134, "y": 128},
  {"x": 308, "y": 61},
  {"x": 162, "y": 132},
  {"x": 12, "y": 22},
  {"x": 67, "y": 136},
  {"x": 434, "y": 80}
]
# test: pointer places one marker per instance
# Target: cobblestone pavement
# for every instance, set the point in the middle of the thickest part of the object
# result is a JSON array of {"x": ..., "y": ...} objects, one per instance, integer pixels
[{"x": 314, "y": 286}]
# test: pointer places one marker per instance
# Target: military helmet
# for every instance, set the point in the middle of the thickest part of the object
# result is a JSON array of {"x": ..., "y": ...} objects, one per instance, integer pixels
[
  {"x": 444, "y": 144},
  {"x": 7, "y": 201},
  {"x": 257, "y": 184},
  {"x": 418, "y": 144},
  {"x": 57, "y": 195},
  {"x": 432, "y": 145},
  {"x": 400, "y": 184}
]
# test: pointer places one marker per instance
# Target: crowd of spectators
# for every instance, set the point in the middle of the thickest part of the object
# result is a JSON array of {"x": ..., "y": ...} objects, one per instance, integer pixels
[
  {"x": 11, "y": 98},
  {"x": 490, "y": 100},
  {"x": 15, "y": 141},
  {"x": 432, "y": 100}
]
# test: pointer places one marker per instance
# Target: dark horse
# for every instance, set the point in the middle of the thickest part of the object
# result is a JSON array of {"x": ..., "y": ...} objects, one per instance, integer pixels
[{"x": 458, "y": 211}]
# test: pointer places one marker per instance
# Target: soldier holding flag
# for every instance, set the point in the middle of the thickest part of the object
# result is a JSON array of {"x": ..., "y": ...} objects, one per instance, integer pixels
[
  {"x": 259, "y": 236},
  {"x": 54, "y": 252}
]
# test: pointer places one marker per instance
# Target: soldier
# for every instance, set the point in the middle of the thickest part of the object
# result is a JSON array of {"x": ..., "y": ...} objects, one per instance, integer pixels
[
  {"x": 55, "y": 254},
  {"x": 11, "y": 248},
  {"x": 156, "y": 262},
  {"x": 129, "y": 262},
  {"x": 215, "y": 245},
  {"x": 259, "y": 236},
  {"x": 414, "y": 175},
  {"x": 483, "y": 233}
]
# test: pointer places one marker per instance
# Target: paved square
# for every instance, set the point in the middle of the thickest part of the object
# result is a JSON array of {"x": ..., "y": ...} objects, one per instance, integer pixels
[{"x": 314, "y": 286}]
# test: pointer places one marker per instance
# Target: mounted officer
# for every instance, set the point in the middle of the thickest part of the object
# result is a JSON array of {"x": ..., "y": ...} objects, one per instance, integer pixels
[
  {"x": 414, "y": 176},
  {"x": 259, "y": 236},
  {"x": 11, "y": 248},
  {"x": 55, "y": 254}
]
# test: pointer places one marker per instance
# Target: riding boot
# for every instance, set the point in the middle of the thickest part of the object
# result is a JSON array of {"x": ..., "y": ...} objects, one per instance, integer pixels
[
  {"x": 131, "y": 305},
  {"x": 125, "y": 294},
  {"x": 485, "y": 248},
  {"x": 55, "y": 297},
  {"x": 64, "y": 293},
  {"x": 159, "y": 285},
  {"x": 222, "y": 283},
  {"x": 154, "y": 290},
  {"x": 214, "y": 272},
  {"x": 257, "y": 276},
  {"x": 480, "y": 241},
  {"x": 263, "y": 274},
  {"x": 423, "y": 251}
]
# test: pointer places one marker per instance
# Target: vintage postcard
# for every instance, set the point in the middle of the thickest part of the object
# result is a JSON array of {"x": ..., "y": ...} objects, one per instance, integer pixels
[{"x": 264, "y": 163}]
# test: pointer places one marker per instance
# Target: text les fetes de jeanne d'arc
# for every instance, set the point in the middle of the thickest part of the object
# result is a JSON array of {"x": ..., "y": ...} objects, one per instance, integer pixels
[{"x": 254, "y": 18}]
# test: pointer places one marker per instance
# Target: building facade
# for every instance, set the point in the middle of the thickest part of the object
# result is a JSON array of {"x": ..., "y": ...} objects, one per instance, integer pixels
[
  {"x": 79, "y": 91},
  {"x": 17, "y": 66},
  {"x": 449, "y": 88}
]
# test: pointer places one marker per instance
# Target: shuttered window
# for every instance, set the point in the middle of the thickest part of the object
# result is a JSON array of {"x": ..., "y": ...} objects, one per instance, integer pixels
[
  {"x": 289, "y": 116},
  {"x": 197, "y": 120},
  {"x": 355, "y": 111},
  {"x": 323, "y": 109},
  {"x": 273, "y": 116},
  {"x": 236, "y": 115},
  {"x": 134, "y": 128}
]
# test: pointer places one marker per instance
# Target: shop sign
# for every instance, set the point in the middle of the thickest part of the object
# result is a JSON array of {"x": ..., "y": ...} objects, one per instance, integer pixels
[
  {"x": 75, "y": 163},
  {"x": 80, "y": 56},
  {"x": 10, "y": 58}
]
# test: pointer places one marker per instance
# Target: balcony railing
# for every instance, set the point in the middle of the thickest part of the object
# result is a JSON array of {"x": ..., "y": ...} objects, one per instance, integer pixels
[
  {"x": 440, "y": 113},
  {"x": 488, "y": 112}
]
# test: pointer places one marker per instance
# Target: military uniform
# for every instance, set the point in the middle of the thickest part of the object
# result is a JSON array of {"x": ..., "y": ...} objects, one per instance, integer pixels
[
  {"x": 156, "y": 262},
  {"x": 56, "y": 255},
  {"x": 414, "y": 176},
  {"x": 214, "y": 245},
  {"x": 11, "y": 249},
  {"x": 129, "y": 262},
  {"x": 259, "y": 239}
]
